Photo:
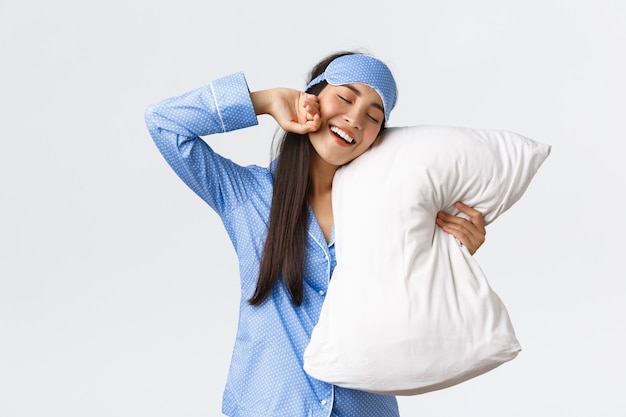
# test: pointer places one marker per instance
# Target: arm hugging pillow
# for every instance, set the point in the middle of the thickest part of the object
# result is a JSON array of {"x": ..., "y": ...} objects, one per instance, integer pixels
[{"x": 408, "y": 309}]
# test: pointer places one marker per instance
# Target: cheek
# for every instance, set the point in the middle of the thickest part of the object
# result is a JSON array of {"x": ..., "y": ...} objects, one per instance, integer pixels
[
  {"x": 328, "y": 108},
  {"x": 370, "y": 136}
]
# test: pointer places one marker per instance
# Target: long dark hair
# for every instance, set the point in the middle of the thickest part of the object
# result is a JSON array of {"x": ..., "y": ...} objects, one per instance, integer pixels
[{"x": 284, "y": 250}]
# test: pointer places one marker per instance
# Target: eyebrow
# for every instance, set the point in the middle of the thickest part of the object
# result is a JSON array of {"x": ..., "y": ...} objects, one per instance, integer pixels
[{"x": 358, "y": 93}]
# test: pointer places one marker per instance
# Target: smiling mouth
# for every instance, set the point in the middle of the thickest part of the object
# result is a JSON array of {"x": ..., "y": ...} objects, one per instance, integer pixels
[{"x": 342, "y": 135}]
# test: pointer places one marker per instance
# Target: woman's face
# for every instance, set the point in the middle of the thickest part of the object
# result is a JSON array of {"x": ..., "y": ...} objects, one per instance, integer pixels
[{"x": 351, "y": 118}]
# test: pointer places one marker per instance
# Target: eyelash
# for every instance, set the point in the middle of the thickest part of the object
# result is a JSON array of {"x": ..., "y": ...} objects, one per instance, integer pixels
[{"x": 373, "y": 119}]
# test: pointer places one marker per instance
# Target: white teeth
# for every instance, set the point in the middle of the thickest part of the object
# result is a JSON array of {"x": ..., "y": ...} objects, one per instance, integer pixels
[{"x": 343, "y": 135}]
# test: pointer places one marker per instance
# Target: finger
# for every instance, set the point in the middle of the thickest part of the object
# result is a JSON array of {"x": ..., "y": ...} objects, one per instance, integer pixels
[
  {"x": 466, "y": 239},
  {"x": 456, "y": 230},
  {"x": 299, "y": 128},
  {"x": 311, "y": 110},
  {"x": 311, "y": 115},
  {"x": 457, "y": 224},
  {"x": 464, "y": 230},
  {"x": 476, "y": 217},
  {"x": 310, "y": 103},
  {"x": 303, "y": 127},
  {"x": 452, "y": 219},
  {"x": 315, "y": 123},
  {"x": 311, "y": 98}
]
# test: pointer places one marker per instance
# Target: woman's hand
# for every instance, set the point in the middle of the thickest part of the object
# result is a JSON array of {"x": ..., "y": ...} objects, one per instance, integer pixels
[
  {"x": 295, "y": 111},
  {"x": 471, "y": 233}
]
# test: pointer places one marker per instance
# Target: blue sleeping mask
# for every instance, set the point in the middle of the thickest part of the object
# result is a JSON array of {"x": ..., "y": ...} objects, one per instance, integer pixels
[{"x": 363, "y": 69}]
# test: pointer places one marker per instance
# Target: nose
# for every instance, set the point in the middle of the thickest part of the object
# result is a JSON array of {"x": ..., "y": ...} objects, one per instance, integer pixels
[{"x": 355, "y": 118}]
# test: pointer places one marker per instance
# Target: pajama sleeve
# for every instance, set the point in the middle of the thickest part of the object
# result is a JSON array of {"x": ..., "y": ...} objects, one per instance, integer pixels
[{"x": 177, "y": 124}]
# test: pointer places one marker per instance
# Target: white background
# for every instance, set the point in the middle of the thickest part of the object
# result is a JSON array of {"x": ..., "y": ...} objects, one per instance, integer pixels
[{"x": 118, "y": 286}]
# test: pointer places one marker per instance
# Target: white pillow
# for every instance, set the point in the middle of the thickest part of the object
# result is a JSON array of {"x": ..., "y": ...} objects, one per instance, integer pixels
[{"x": 408, "y": 309}]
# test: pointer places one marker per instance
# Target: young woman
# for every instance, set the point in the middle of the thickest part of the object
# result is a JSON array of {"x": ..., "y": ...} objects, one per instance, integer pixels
[{"x": 280, "y": 219}]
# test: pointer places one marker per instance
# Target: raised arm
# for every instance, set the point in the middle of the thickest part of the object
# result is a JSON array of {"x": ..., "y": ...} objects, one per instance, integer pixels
[{"x": 177, "y": 123}]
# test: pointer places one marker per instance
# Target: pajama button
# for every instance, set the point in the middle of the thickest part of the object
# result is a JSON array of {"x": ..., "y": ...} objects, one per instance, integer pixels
[
  {"x": 323, "y": 402},
  {"x": 321, "y": 292}
]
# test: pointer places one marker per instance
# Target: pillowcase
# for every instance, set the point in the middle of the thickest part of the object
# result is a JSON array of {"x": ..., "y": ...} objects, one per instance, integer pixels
[{"x": 408, "y": 309}]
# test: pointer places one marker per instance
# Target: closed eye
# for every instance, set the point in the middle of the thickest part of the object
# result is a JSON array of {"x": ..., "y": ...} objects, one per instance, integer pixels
[
  {"x": 372, "y": 118},
  {"x": 344, "y": 99}
]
